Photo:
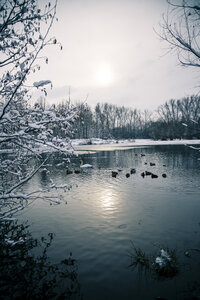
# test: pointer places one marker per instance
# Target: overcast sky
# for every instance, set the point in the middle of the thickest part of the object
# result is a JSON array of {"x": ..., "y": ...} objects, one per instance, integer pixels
[{"x": 112, "y": 54}]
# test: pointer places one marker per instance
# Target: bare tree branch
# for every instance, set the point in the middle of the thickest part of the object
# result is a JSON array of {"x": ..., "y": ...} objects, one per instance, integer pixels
[{"x": 180, "y": 28}]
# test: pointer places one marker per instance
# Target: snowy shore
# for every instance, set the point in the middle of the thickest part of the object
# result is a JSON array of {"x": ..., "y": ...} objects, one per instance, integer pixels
[
  {"x": 95, "y": 144},
  {"x": 89, "y": 145},
  {"x": 136, "y": 142}
]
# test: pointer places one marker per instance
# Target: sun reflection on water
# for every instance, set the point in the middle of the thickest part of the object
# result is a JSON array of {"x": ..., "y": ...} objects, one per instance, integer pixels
[{"x": 108, "y": 200}]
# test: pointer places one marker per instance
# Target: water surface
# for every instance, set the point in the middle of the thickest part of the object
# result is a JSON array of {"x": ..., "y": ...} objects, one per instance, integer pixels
[{"x": 101, "y": 215}]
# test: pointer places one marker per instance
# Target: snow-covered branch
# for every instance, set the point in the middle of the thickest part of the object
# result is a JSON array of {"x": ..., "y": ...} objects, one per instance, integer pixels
[{"x": 25, "y": 129}]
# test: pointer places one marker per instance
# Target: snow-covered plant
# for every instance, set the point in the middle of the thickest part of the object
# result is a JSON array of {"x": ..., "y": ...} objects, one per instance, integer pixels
[
  {"x": 166, "y": 264},
  {"x": 24, "y": 29}
]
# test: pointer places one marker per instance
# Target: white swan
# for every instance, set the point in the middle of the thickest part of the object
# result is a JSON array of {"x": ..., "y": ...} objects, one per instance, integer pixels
[{"x": 85, "y": 166}]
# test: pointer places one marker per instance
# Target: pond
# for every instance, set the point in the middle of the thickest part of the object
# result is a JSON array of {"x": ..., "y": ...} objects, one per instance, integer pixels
[{"x": 101, "y": 216}]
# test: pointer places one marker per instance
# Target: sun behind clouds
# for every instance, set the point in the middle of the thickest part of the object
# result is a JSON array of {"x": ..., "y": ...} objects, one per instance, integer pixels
[{"x": 104, "y": 75}]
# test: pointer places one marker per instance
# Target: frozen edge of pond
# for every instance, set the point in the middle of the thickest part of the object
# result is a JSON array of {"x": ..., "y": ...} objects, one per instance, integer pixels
[{"x": 81, "y": 146}]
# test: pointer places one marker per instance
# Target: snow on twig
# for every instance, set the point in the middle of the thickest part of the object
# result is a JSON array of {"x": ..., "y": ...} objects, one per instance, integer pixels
[{"x": 41, "y": 83}]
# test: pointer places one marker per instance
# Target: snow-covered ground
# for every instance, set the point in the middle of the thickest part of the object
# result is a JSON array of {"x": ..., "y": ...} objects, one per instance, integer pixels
[
  {"x": 136, "y": 142},
  {"x": 93, "y": 145}
]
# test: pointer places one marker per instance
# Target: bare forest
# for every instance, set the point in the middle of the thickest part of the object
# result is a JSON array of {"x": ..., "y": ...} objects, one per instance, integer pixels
[{"x": 174, "y": 119}]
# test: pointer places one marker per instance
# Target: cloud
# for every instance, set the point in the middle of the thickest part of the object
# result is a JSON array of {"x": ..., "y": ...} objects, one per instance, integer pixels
[{"x": 120, "y": 34}]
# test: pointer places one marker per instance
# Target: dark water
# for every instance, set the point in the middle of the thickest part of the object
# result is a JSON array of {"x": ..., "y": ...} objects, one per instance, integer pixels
[{"x": 104, "y": 214}]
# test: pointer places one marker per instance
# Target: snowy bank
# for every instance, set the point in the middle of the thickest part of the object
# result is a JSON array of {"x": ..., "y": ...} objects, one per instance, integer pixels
[{"x": 106, "y": 145}]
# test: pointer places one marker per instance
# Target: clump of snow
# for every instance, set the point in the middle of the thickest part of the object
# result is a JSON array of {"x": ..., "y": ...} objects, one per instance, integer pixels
[
  {"x": 7, "y": 219},
  {"x": 195, "y": 148},
  {"x": 13, "y": 243},
  {"x": 166, "y": 264},
  {"x": 194, "y": 121},
  {"x": 163, "y": 259},
  {"x": 38, "y": 84},
  {"x": 165, "y": 255},
  {"x": 159, "y": 260}
]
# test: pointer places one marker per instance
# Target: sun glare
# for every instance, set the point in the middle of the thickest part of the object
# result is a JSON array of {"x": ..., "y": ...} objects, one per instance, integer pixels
[{"x": 104, "y": 75}]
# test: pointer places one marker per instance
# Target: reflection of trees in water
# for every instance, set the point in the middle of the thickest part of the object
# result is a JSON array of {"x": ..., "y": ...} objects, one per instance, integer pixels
[
  {"x": 172, "y": 155},
  {"x": 175, "y": 156},
  {"x": 179, "y": 156},
  {"x": 25, "y": 275}
]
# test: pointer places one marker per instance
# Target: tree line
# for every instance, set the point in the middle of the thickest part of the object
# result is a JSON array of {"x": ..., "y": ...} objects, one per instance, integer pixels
[{"x": 174, "y": 119}]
